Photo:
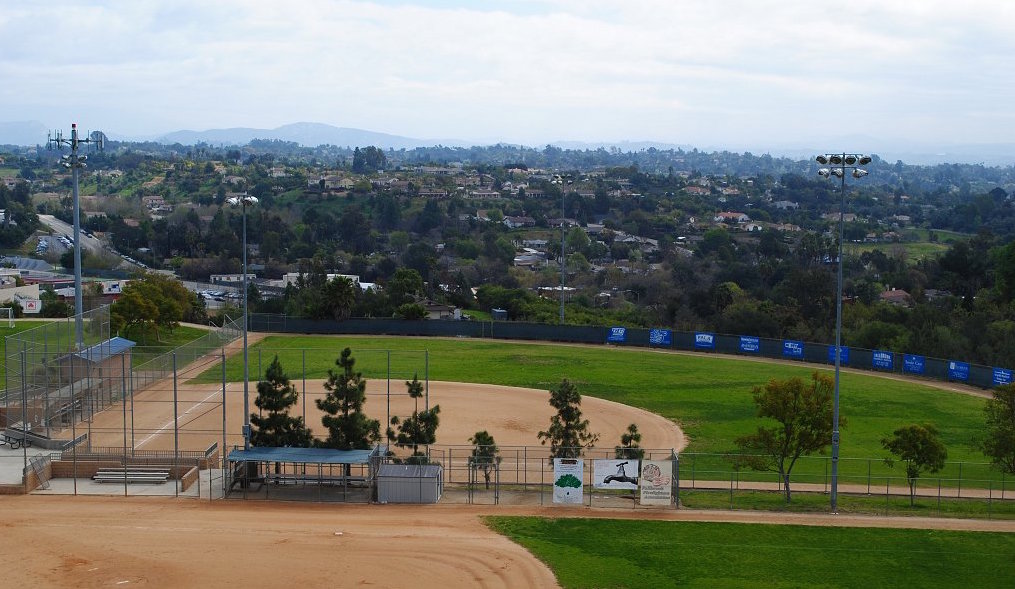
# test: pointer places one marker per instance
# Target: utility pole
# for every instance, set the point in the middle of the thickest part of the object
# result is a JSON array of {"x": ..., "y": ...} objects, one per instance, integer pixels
[{"x": 76, "y": 162}]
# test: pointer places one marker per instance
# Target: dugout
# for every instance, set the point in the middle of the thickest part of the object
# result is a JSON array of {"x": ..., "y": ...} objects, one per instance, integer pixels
[
  {"x": 304, "y": 474},
  {"x": 67, "y": 388},
  {"x": 410, "y": 483}
]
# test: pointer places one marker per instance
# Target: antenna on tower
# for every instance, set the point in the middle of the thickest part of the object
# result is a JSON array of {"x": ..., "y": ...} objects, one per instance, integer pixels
[{"x": 76, "y": 162}]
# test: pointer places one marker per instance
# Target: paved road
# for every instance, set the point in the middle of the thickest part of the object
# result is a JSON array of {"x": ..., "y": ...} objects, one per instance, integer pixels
[{"x": 91, "y": 244}]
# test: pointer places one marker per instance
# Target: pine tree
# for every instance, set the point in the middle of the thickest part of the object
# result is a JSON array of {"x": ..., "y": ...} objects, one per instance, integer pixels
[
  {"x": 629, "y": 448},
  {"x": 568, "y": 432},
  {"x": 485, "y": 454},
  {"x": 419, "y": 429},
  {"x": 276, "y": 428},
  {"x": 348, "y": 427}
]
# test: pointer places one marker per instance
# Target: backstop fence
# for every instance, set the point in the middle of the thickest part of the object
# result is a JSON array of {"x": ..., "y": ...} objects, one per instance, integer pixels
[
  {"x": 99, "y": 404},
  {"x": 745, "y": 345}
]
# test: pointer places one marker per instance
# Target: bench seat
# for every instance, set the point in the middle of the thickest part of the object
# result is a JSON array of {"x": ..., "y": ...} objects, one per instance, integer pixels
[{"x": 133, "y": 475}]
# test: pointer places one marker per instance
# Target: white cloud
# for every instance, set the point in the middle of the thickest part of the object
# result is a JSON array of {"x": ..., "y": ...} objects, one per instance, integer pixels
[{"x": 695, "y": 71}]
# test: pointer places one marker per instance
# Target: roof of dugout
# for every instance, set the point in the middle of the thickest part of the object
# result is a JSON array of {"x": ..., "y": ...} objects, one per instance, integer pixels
[{"x": 305, "y": 455}]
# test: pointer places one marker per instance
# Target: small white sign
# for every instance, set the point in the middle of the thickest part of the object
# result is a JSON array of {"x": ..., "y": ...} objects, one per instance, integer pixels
[
  {"x": 656, "y": 482},
  {"x": 32, "y": 306}
]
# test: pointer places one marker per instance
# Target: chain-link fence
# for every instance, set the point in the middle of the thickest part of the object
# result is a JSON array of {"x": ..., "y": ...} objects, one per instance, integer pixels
[
  {"x": 105, "y": 421},
  {"x": 745, "y": 345}
]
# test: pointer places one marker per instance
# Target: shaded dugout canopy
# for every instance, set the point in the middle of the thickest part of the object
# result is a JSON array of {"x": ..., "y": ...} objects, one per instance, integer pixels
[{"x": 303, "y": 455}]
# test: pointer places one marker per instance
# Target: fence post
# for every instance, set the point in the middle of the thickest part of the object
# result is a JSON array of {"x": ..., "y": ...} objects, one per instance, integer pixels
[
  {"x": 541, "y": 482},
  {"x": 868, "y": 476},
  {"x": 525, "y": 471},
  {"x": 123, "y": 388},
  {"x": 959, "y": 493},
  {"x": 304, "y": 350},
  {"x": 73, "y": 426},
  {"x": 676, "y": 475},
  {"x": 731, "y": 491},
  {"x": 223, "y": 464},
  {"x": 990, "y": 493},
  {"x": 24, "y": 415},
  {"x": 176, "y": 430},
  {"x": 826, "y": 468}
]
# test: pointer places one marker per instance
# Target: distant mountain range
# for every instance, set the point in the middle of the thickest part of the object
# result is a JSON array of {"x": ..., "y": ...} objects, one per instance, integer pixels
[
  {"x": 307, "y": 134},
  {"x": 314, "y": 134},
  {"x": 23, "y": 133}
]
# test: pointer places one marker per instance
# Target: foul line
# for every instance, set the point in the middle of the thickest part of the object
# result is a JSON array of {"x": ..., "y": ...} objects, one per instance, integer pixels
[{"x": 176, "y": 421}]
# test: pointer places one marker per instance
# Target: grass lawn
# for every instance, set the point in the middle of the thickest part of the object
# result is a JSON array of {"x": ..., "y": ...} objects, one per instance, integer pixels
[
  {"x": 914, "y": 250},
  {"x": 148, "y": 346},
  {"x": 874, "y": 504},
  {"x": 709, "y": 396},
  {"x": 615, "y": 553}
]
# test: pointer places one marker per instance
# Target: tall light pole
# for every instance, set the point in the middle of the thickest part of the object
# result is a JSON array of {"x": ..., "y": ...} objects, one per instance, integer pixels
[
  {"x": 76, "y": 162},
  {"x": 563, "y": 261},
  {"x": 244, "y": 201},
  {"x": 838, "y": 164}
]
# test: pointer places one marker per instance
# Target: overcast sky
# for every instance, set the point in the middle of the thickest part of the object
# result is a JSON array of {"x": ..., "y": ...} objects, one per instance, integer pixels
[{"x": 702, "y": 72}]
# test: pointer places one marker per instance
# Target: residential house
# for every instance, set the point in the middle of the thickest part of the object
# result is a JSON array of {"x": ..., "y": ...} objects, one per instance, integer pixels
[
  {"x": 898, "y": 297},
  {"x": 516, "y": 222},
  {"x": 731, "y": 217}
]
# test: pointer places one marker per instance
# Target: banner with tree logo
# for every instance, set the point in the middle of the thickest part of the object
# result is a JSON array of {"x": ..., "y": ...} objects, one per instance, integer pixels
[{"x": 567, "y": 480}]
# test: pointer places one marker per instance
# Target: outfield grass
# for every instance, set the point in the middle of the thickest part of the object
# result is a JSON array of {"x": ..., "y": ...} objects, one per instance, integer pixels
[
  {"x": 709, "y": 396},
  {"x": 874, "y": 504},
  {"x": 151, "y": 348},
  {"x": 586, "y": 553}
]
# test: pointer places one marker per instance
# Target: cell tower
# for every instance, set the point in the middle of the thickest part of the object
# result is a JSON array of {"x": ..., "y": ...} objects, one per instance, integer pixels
[{"x": 76, "y": 162}]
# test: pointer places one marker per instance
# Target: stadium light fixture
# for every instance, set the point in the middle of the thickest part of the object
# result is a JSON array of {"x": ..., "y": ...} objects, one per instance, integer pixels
[
  {"x": 841, "y": 162},
  {"x": 244, "y": 201}
]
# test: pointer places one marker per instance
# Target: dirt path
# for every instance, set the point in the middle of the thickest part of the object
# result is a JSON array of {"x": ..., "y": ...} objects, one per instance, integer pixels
[{"x": 103, "y": 542}]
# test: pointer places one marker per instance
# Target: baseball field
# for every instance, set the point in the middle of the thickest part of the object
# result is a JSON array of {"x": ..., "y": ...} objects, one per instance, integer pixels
[{"x": 680, "y": 401}]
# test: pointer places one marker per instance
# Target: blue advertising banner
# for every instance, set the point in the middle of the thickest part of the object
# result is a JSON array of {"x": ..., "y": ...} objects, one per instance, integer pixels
[
  {"x": 882, "y": 359},
  {"x": 1002, "y": 376},
  {"x": 704, "y": 340},
  {"x": 913, "y": 364},
  {"x": 843, "y": 355},
  {"x": 617, "y": 335},
  {"x": 660, "y": 337},
  {"x": 958, "y": 370},
  {"x": 792, "y": 348},
  {"x": 750, "y": 344}
]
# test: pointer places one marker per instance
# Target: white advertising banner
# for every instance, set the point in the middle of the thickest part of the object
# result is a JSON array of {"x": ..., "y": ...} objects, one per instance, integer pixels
[
  {"x": 32, "y": 305},
  {"x": 567, "y": 480},
  {"x": 615, "y": 474},
  {"x": 656, "y": 482},
  {"x": 113, "y": 287}
]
